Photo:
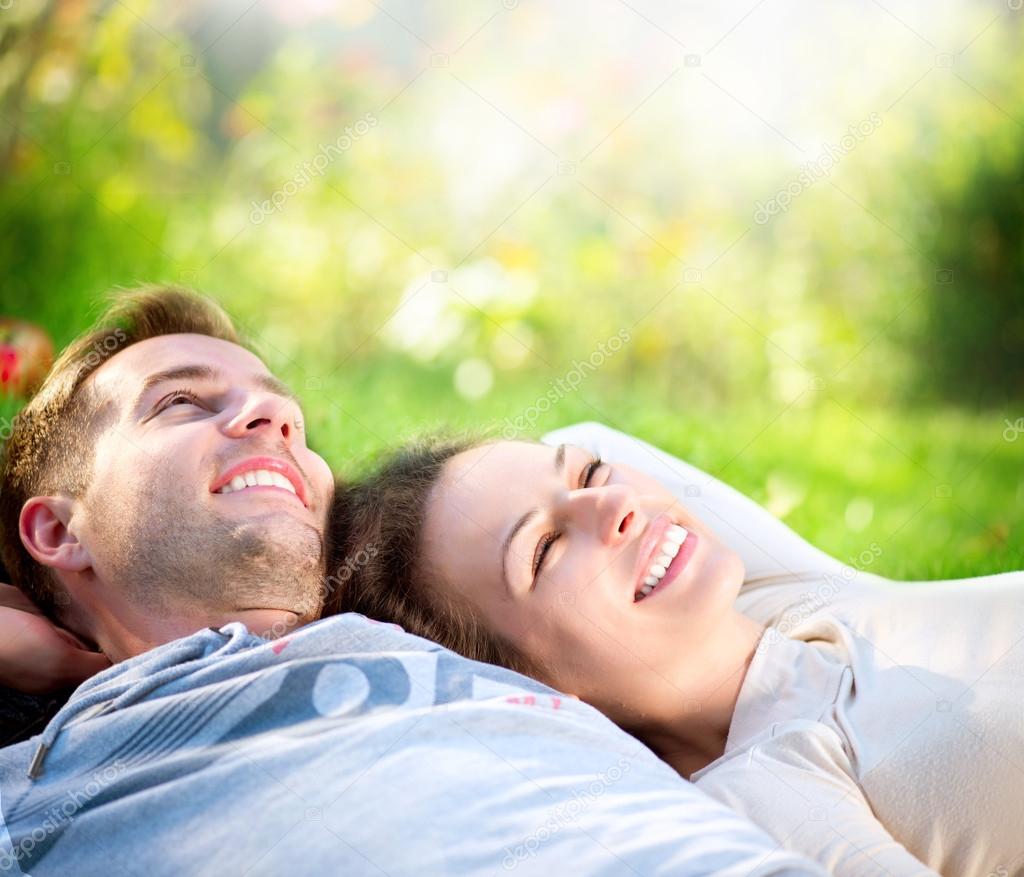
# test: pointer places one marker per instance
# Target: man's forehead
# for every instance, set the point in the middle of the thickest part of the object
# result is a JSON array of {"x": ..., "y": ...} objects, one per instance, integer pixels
[{"x": 128, "y": 370}]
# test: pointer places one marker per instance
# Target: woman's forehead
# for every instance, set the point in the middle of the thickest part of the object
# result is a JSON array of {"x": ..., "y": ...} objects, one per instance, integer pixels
[
  {"x": 485, "y": 488},
  {"x": 486, "y": 465}
]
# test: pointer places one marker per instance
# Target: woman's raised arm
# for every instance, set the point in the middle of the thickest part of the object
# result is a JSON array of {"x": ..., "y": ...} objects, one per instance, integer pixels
[{"x": 36, "y": 656}]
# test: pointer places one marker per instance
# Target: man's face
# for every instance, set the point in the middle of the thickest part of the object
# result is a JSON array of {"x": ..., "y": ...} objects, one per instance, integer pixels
[{"x": 169, "y": 518}]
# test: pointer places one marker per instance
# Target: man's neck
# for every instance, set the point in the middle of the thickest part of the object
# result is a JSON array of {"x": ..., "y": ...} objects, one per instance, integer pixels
[{"x": 122, "y": 631}]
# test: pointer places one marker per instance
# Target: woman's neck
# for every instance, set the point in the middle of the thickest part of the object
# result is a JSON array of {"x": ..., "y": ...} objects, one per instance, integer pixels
[{"x": 693, "y": 732}]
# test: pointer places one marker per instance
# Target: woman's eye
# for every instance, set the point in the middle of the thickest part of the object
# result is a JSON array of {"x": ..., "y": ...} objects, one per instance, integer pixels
[
  {"x": 588, "y": 472},
  {"x": 545, "y": 543}
]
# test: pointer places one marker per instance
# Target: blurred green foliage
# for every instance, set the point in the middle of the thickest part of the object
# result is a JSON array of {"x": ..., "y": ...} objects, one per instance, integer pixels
[
  {"x": 973, "y": 340},
  {"x": 508, "y": 188}
]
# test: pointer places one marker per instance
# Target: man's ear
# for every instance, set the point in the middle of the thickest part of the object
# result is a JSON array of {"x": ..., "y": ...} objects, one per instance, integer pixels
[{"x": 47, "y": 535}]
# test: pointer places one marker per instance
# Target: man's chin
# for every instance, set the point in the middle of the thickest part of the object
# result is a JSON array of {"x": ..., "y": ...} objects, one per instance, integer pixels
[
  {"x": 268, "y": 623},
  {"x": 283, "y": 528},
  {"x": 272, "y": 517}
]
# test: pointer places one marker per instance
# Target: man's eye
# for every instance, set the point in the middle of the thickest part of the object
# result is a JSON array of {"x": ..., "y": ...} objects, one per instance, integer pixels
[
  {"x": 179, "y": 397},
  {"x": 588, "y": 472}
]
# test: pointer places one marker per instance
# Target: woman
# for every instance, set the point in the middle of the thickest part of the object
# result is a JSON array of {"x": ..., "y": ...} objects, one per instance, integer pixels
[{"x": 882, "y": 735}]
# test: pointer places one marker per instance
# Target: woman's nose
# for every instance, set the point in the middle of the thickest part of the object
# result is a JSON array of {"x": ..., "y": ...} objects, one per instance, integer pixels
[{"x": 607, "y": 511}]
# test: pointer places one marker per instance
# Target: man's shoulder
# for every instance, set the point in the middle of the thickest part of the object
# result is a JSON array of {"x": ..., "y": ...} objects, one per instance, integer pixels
[
  {"x": 368, "y": 730},
  {"x": 385, "y": 655}
]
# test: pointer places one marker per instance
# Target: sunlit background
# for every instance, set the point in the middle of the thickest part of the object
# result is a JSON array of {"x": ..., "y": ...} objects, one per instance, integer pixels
[{"x": 800, "y": 226}]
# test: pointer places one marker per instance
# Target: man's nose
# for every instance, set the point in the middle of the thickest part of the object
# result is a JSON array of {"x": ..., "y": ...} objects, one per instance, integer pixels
[
  {"x": 266, "y": 413},
  {"x": 608, "y": 511}
]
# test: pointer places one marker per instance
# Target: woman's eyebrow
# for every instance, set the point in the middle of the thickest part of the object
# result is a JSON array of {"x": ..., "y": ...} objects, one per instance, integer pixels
[{"x": 506, "y": 546}]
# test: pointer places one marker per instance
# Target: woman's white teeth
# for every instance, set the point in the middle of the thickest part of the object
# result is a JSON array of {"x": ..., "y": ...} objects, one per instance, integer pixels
[
  {"x": 675, "y": 536},
  {"x": 256, "y": 477}
]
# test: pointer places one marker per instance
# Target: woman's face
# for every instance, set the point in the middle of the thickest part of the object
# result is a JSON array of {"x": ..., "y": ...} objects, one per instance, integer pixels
[{"x": 592, "y": 569}]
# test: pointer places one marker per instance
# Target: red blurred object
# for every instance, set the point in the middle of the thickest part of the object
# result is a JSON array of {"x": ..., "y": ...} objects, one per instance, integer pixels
[{"x": 26, "y": 354}]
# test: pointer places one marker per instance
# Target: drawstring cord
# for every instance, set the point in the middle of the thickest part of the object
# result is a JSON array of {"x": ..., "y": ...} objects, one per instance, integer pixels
[{"x": 125, "y": 692}]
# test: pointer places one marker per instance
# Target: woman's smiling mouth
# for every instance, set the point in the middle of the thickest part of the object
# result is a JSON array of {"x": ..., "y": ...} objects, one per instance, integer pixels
[{"x": 667, "y": 559}]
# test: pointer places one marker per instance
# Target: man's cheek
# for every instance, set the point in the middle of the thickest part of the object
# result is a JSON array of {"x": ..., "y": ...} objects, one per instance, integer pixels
[{"x": 323, "y": 478}]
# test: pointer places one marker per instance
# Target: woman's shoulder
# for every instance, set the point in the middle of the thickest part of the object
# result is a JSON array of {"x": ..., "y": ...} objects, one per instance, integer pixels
[
  {"x": 787, "y": 765},
  {"x": 795, "y": 680}
]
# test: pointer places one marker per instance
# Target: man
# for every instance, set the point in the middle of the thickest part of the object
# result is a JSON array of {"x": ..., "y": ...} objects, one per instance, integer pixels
[
  {"x": 118, "y": 483},
  {"x": 158, "y": 499}
]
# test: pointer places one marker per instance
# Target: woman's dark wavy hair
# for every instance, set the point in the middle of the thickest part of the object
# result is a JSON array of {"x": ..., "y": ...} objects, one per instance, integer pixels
[{"x": 378, "y": 566}]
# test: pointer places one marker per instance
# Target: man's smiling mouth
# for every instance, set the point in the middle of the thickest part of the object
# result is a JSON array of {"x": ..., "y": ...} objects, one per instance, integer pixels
[{"x": 261, "y": 472}]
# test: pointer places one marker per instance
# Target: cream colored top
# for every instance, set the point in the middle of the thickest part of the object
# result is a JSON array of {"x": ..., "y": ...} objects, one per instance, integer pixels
[{"x": 882, "y": 732}]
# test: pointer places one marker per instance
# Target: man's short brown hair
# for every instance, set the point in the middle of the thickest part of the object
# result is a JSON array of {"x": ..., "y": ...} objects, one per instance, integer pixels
[{"x": 50, "y": 448}]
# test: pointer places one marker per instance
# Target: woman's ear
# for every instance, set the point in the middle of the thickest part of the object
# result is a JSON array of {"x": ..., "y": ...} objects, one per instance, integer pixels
[{"x": 46, "y": 534}]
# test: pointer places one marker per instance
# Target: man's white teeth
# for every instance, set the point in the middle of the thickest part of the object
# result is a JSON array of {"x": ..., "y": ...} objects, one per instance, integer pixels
[
  {"x": 255, "y": 477},
  {"x": 675, "y": 536}
]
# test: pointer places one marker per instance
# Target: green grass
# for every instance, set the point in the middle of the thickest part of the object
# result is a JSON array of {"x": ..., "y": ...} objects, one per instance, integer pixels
[{"x": 939, "y": 492}]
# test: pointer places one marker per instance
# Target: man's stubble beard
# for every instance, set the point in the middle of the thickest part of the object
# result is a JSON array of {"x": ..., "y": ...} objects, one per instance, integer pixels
[{"x": 175, "y": 558}]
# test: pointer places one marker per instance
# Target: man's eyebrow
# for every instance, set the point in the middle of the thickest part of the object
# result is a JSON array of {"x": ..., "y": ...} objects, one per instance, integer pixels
[
  {"x": 205, "y": 373},
  {"x": 275, "y": 385},
  {"x": 507, "y": 545}
]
